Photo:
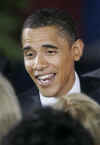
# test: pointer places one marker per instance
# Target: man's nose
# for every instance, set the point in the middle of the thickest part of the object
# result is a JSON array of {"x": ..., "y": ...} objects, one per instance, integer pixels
[{"x": 39, "y": 63}]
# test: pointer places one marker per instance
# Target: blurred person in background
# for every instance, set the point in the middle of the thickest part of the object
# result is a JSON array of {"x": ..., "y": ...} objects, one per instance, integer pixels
[
  {"x": 10, "y": 113},
  {"x": 47, "y": 126},
  {"x": 84, "y": 109}
]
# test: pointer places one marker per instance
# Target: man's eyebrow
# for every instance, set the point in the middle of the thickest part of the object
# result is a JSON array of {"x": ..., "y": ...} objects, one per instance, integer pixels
[
  {"x": 26, "y": 48},
  {"x": 49, "y": 46}
]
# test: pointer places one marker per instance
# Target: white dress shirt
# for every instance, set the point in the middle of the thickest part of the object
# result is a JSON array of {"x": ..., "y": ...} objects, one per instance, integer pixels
[{"x": 48, "y": 101}]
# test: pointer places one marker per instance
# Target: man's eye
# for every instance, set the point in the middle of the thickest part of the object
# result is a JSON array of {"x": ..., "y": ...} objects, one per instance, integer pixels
[
  {"x": 52, "y": 52},
  {"x": 29, "y": 54}
]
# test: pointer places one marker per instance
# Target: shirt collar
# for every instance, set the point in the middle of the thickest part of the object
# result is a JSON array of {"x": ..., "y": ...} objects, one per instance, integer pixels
[
  {"x": 48, "y": 101},
  {"x": 76, "y": 86}
]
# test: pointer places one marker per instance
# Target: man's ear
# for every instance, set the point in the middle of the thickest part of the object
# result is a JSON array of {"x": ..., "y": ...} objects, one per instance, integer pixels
[{"x": 77, "y": 49}]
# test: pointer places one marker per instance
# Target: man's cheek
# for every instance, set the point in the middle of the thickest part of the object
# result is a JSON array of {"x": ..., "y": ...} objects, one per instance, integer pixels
[
  {"x": 29, "y": 70},
  {"x": 28, "y": 66}
]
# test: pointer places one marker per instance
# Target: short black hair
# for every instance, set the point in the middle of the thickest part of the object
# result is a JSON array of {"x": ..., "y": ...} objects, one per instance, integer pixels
[
  {"x": 48, "y": 127},
  {"x": 52, "y": 17}
]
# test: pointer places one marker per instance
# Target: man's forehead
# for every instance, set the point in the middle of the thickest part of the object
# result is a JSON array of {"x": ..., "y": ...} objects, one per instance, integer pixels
[
  {"x": 26, "y": 32},
  {"x": 39, "y": 33},
  {"x": 48, "y": 34},
  {"x": 44, "y": 29}
]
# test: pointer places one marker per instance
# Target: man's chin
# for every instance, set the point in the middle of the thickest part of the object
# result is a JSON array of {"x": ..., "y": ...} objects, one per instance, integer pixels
[
  {"x": 48, "y": 91},
  {"x": 48, "y": 94}
]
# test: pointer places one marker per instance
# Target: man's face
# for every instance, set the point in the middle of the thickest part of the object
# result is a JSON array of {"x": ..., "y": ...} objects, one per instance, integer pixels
[{"x": 49, "y": 60}]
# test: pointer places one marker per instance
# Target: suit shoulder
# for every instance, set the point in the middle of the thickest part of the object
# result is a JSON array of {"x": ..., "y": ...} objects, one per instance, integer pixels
[
  {"x": 28, "y": 100},
  {"x": 91, "y": 87}
]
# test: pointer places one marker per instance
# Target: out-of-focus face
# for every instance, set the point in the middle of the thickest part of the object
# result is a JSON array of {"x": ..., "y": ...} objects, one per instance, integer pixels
[{"x": 49, "y": 60}]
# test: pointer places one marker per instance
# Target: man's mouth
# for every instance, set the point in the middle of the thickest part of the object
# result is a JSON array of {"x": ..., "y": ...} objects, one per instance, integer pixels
[{"x": 45, "y": 80}]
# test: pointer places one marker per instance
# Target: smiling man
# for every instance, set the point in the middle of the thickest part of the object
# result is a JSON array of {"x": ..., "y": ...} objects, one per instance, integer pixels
[
  {"x": 49, "y": 59},
  {"x": 51, "y": 47}
]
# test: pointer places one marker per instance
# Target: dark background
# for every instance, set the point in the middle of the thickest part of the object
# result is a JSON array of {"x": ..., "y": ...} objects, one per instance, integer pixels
[{"x": 12, "y": 15}]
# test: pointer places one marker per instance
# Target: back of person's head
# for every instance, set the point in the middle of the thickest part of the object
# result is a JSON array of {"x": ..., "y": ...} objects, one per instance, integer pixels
[
  {"x": 47, "y": 126},
  {"x": 83, "y": 108},
  {"x": 10, "y": 112},
  {"x": 52, "y": 17}
]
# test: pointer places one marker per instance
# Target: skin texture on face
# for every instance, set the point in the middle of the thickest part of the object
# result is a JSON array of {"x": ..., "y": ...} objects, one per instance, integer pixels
[{"x": 49, "y": 60}]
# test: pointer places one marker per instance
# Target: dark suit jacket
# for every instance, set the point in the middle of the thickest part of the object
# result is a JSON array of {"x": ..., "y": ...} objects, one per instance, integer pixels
[{"x": 90, "y": 85}]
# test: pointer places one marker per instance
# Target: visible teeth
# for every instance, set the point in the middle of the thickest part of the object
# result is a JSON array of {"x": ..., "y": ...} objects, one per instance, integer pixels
[{"x": 45, "y": 76}]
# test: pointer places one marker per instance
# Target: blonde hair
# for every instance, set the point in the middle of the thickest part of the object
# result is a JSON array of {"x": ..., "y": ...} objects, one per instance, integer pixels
[
  {"x": 84, "y": 109},
  {"x": 10, "y": 112}
]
